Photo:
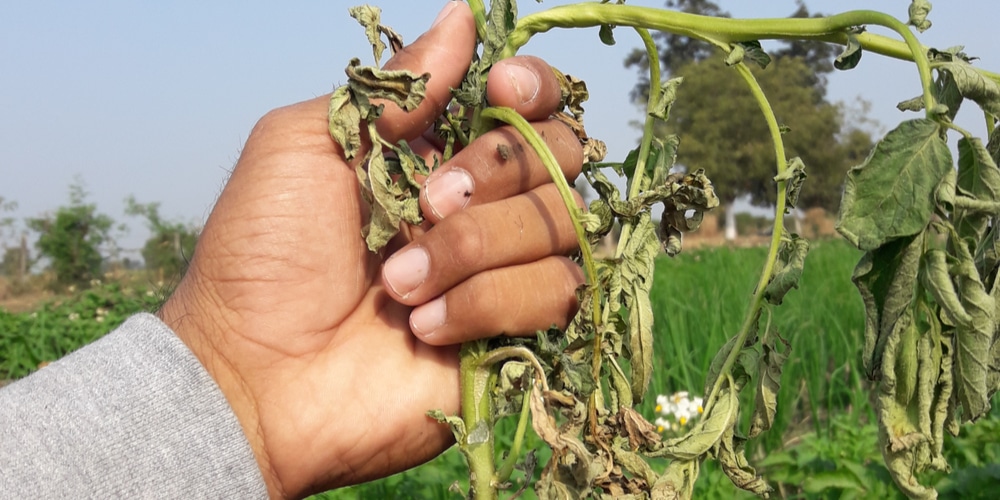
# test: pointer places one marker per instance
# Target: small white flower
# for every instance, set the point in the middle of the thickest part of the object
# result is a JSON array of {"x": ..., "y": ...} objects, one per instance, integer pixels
[
  {"x": 74, "y": 316},
  {"x": 677, "y": 410}
]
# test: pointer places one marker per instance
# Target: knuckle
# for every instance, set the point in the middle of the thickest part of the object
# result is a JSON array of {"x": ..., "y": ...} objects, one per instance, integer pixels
[{"x": 468, "y": 243}]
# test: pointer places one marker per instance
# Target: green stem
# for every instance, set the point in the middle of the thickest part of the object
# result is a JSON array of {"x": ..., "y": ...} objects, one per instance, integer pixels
[
  {"x": 722, "y": 32},
  {"x": 781, "y": 163},
  {"x": 635, "y": 183},
  {"x": 479, "y": 14},
  {"x": 476, "y": 382},
  {"x": 478, "y": 376},
  {"x": 510, "y": 117},
  {"x": 503, "y": 475}
]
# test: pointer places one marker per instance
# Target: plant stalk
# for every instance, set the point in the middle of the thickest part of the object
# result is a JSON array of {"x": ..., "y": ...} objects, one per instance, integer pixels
[
  {"x": 781, "y": 163},
  {"x": 503, "y": 475},
  {"x": 476, "y": 381},
  {"x": 510, "y": 117},
  {"x": 722, "y": 32},
  {"x": 635, "y": 183}
]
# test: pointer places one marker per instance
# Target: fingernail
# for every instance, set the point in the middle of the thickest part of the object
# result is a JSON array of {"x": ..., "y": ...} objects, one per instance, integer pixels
[
  {"x": 448, "y": 8},
  {"x": 426, "y": 319},
  {"x": 449, "y": 192},
  {"x": 405, "y": 271},
  {"x": 525, "y": 82}
]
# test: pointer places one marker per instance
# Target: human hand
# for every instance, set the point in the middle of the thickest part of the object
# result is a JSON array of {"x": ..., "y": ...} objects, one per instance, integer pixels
[{"x": 327, "y": 352}]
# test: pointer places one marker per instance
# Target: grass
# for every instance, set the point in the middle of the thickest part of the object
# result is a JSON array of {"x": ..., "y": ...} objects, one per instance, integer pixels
[
  {"x": 824, "y": 443},
  {"x": 701, "y": 299}
]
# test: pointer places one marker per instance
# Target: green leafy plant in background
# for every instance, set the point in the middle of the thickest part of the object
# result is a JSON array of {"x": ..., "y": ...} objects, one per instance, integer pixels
[
  {"x": 927, "y": 277},
  {"x": 72, "y": 238},
  {"x": 28, "y": 339}
]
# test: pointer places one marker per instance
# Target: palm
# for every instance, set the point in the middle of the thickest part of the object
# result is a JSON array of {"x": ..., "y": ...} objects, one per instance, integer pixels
[
  {"x": 286, "y": 307},
  {"x": 344, "y": 343}
]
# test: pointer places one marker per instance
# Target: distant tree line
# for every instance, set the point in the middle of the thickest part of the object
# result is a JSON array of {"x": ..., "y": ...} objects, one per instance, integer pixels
[{"x": 76, "y": 242}]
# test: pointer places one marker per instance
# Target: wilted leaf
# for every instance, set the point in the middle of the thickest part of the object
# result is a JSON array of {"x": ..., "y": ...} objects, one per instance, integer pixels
[
  {"x": 380, "y": 227},
  {"x": 677, "y": 482},
  {"x": 918, "y": 15},
  {"x": 768, "y": 385},
  {"x": 345, "y": 121},
  {"x": 946, "y": 93},
  {"x": 935, "y": 277},
  {"x": 666, "y": 98},
  {"x": 401, "y": 87},
  {"x": 574, "y": 94},
  {"x": 640, "y": 433},
  {"x": 637, "y": 280},
  {"x": 751, "y": 50},
  {"x": 973, "y": 341},
  {"x": 569, "y": 471},
  {"x": 788, "y": 268},
  {"x": 706, "y": 432},
  {"x": 455, "y": 422},
  {"x": 607, "y": 34},
  {"x": 891, "y": 194},
  {"x": 974, "y": 85},
  {"x": 886, "y": 279},
  {"x": 500, "y": 22},
  {"x": 793, "y": 176},
  {"x": 731, "y": 457},
  {"x": 621, "y": 389},
  {"x": 903, "y": 446},
  {"x": 851, "y": 56},
  {"x": 370, "y": 17},
  {"x": 514, "y": 379},
  {"x": 978, "y": 178}
]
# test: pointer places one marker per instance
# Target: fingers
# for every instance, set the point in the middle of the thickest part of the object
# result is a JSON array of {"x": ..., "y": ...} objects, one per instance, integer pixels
[
  {"x": 498, "y": 302},
  {"x": 514, "y": 231},
  {"x": 501, "y": 163},
  {"x": 525, "y": 83},
  {"x": 498, "y": 165},
  {"x": 486, "y": 261},
  {"x": 445, "y": 51}
]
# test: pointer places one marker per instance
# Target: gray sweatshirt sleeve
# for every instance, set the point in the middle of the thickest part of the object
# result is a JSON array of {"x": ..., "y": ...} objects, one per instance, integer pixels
[{"x": 133, "y": 415}]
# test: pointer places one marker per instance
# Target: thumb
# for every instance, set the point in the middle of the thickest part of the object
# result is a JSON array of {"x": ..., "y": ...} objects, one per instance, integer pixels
[{"x": 445, "y": 51}]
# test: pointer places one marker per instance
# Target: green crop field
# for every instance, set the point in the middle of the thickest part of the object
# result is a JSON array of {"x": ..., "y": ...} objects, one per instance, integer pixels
[{"x": 824, "y": 442}]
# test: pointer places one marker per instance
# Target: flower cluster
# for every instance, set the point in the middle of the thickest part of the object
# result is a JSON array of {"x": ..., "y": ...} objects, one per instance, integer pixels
[{"x": 677, "y": 410}]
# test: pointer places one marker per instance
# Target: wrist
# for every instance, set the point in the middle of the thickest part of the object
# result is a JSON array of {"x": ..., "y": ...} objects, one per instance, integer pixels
[{"x": 197, "y": 319}]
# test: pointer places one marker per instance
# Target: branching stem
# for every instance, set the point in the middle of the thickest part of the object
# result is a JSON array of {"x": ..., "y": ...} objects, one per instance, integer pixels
[{"x": 722, "y": 32}]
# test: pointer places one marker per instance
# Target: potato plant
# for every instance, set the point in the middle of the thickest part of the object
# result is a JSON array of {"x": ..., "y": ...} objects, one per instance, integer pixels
[{"x": 928, "y": 278}]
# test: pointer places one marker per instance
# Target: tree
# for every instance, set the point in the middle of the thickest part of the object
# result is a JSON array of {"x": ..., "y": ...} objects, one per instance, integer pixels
[
  {"x": 721, "y": 131},
  {"x": 72, "y": 239},
  {"x": 171, "y": 244},
  {"x": 721, "y": 128},
  {"x": 15, "y": 258}
]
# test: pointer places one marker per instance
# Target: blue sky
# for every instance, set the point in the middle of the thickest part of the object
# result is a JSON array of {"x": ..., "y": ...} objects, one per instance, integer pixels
[{"x": 155, "y": 99}]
